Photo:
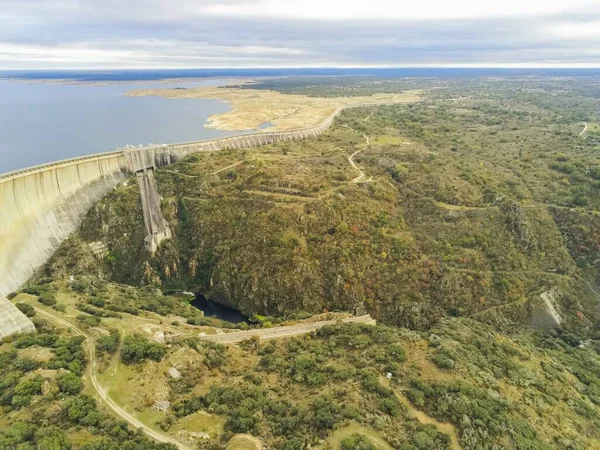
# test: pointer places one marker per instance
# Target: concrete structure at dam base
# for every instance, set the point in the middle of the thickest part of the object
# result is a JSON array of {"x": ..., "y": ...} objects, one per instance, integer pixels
[
  {"x": 41, "y": 206},
  {"x": 12, "y": 320}
]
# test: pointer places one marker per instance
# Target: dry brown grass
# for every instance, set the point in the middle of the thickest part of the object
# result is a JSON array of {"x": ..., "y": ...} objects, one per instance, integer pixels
[
  {"x": 244, "y": 442},
  {"x": 252, "y": 107}
]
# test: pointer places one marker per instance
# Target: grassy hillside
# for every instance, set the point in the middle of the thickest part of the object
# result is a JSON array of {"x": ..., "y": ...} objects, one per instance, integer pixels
[
  {"x": 480, "y": 201},
  {"x": 462, "y": 223},
  {"x": 460, "y": 385}
]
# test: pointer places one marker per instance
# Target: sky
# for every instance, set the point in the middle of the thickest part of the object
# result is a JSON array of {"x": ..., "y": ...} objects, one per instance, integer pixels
[{"x": 110, "y": 34}]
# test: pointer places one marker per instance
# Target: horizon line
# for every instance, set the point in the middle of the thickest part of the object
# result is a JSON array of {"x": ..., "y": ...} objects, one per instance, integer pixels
[{"x": 338, "y": 67}]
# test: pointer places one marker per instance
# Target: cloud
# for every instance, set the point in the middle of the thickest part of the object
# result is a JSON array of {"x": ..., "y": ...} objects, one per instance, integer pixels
[
  {"x": 385, "y": 9},
  {"x": 286, "y": 33}
]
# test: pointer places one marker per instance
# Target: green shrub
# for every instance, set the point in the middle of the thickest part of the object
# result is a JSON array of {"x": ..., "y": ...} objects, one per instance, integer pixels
[
  {"x": 47, "y": 298},
  {"x": 215, "y": 355},
  {"x": 390, "y": 405},
  {"x": 85, "y": 321},
  {"x": 26, "y": 309},
  {"x": 137, "y": 349},
  {"x": 443, "y": 361},
  {"x": 81, "y": 286},
  {"x": 427, "y": 437},
  {"x": 396, "y": 353},
  {"x": 69, "y": 354},
  {"x": 108, "y": 344},
  {"x": 69, "y": 383},
  {"x": 356, "y": 442}
]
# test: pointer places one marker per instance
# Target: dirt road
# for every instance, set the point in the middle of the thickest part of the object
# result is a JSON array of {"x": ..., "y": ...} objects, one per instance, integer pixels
[
  {"x": 444, "y": 427},
  {"x": 361, "y": 178},
  {"x": 230, "y": 166},
  {"x": 281, "y": 332},
  {"x": 92, "y": 372},
  {"x": 226, "y": 338},
  {"x": 584, "y": 129}
]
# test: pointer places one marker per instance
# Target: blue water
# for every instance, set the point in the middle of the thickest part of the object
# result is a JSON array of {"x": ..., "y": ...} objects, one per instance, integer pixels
[
  {"x": 137, "y": 75},
  {"x": 265, "y": 125},
  {"x": 45, "y": 122},
  {"x": 211, "y": 308}
]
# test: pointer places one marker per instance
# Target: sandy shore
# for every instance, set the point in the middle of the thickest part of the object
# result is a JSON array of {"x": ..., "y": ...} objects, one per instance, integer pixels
[{"x": 250, "y": 108}]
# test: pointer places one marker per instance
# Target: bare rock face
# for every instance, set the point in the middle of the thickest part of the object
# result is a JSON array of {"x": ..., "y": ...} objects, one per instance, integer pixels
[
  {"x": 545, "y": 315},
  {"x": 46, "y": 387},
  {"x": 174, "y": 373},
  {"x": 161, "y": 405},
  {"x": 159, "y": 337},
  {"x": 99, "y": 249}
]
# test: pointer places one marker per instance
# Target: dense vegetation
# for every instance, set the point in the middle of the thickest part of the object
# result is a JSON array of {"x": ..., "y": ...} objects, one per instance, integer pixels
[
  {"x": 478, "y": 221},
  {"x": 345, "y": 86},
  {"x": 47, "y": 398},
  {"x": 356, "y": 442},
  {"x": 136, "y": 349},
  {"x": 483, "y": 203},
  {"x": 510, "y": 393},
  {"x": 474, "y": 386}
]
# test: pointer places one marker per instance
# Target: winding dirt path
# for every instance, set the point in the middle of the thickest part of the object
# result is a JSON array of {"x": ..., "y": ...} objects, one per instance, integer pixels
[
  {"x": 444, "y": 427},
  {"x": 280, "y": 332},
  {"x": 362, "y": 177},
  {"x": 584, "y": 129},
  {"x": 92, "y": 372},
  {"x": 230, "y": 166}
]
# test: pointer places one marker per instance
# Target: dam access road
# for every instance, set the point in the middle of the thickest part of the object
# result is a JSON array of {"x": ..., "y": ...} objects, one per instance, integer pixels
[
  {"x": 226, "y": 338},
  {"x": 43, "y": 205},
  {"x": 281, "y": 332}
]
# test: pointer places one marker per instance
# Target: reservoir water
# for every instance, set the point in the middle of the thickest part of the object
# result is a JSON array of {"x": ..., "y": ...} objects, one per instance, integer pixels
[
  {"x": 214, "y": 309},
  {"x": 43, "y": 122}
]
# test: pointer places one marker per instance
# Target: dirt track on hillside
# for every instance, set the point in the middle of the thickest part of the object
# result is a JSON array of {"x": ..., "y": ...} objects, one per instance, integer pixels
[
  {"x": 91, "y": 350},
  {"x": 281, "y": 332}
]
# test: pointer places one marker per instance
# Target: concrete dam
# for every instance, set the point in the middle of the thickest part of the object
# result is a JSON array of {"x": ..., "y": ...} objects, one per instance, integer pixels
[{"x": 43, "y": 205}]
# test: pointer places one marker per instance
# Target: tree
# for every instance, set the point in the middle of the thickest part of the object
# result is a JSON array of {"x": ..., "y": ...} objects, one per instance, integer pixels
[
  {"x": 108, "y": 344},
  {"x": 69, "y": 383},
  {"x": 396, "y": 353},
  {"x": 137, "y": 348},
  {"x": 19, "y": 435},
  {"x": 356, "y": 442},
  {"x": 51, "y": 438},
  {"x": 47, "y": 298},
  {"x": 26, "y": 309}
]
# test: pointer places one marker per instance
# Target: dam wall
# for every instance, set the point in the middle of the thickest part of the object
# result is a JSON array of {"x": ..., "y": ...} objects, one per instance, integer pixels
[
  {"x": 162, "y": 155},
  {"x": 143, "y": 162},
  {"x": 41, "y": 206}
]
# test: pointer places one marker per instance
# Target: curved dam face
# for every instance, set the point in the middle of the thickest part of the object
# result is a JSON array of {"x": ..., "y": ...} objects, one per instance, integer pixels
[{"x": 41, "y": 206}]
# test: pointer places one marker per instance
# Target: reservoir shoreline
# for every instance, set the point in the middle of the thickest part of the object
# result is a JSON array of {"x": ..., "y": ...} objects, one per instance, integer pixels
[{"x": 46, "y": 121}]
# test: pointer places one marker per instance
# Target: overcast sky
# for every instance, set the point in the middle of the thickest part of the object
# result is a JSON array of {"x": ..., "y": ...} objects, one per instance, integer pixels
[{"x": 80, "y": 34}]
